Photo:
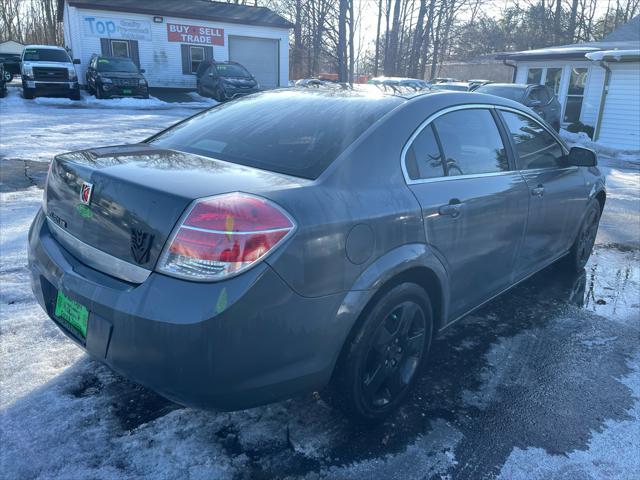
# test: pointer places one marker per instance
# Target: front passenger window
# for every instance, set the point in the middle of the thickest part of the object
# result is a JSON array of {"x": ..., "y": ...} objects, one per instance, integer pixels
[{"x": 536, "y": 147}]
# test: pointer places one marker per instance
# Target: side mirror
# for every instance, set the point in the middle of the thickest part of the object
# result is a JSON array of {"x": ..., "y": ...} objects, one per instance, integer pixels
[
  {"x": 142, "y": 70},
  {"x": 76, "y": 61},
  {"x": 582, "y": 157},
  {"x": 211, "y": 75}
]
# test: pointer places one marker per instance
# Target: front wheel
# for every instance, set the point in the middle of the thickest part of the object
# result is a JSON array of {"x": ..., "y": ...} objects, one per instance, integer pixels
[
  {"x": 8, "y": 76},
  {"x": 583, "y": 245},
  {"x": 379, "y": 366}
]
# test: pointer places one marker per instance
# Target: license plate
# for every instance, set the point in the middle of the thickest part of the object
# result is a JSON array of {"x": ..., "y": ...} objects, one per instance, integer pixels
[
  {"x": 73, "y": 313},
  {"x": 126, "y": 91}
]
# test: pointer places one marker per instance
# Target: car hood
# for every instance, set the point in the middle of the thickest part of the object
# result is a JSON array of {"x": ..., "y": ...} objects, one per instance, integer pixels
[
  {"x": 240, "y": 81},
  {"x": 120, "y": 75}
]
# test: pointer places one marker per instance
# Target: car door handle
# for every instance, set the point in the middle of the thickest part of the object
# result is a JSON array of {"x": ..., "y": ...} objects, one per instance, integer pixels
[
  {"x": 538, "y": 191},
  {"x": 452, "y": 209}
]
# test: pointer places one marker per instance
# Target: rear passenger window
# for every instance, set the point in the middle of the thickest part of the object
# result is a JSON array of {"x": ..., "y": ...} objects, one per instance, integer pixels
[
  {"x": 536, "y": 147},
  {"x": 423, "y": 158},
  {"x": 471, "y": 143}
]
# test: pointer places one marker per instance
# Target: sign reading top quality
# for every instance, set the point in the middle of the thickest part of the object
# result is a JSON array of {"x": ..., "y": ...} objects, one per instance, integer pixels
[
  {"x": 117, "y": 28},
  {"x": 194, "y": 34}
]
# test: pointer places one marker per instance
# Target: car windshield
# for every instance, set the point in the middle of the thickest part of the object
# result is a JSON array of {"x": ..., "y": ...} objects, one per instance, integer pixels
[
  {"x": 231, "y": 70},
  {"x": 117, "y": 65},
  {"x": 293, "y": 132},
  {"x": 504, "y": 92},
  {"x": 45, "y": 55}
]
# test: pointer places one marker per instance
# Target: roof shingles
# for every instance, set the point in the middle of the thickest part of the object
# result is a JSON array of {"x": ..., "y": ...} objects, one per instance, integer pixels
[{"x": 191, "y": 9}]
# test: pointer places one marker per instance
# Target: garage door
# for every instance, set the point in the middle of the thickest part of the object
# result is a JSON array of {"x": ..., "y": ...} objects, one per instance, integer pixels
[
  {"x": 621, "y": 116},
  {"x": 260, "y": 56}
]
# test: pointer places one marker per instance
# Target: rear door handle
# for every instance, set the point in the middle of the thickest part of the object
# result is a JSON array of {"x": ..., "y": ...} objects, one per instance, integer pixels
[
  {"x": 453, "y": 209},
  {"x": 538, "y": 191}
]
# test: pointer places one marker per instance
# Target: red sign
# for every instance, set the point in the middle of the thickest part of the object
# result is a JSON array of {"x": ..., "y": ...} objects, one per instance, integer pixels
[{"x": 194, "y": 34}]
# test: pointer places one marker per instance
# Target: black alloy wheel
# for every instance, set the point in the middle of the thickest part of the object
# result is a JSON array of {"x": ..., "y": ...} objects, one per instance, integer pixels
[{"x": 378, "y": 367}]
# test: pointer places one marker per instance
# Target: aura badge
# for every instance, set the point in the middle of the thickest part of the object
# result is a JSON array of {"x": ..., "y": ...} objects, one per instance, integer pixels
[
  {"x": 85, "y": 192},
  {"x": 140, "y": 245}
]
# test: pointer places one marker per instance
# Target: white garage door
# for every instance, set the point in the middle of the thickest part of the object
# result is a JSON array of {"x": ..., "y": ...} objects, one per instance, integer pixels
[
  {"x": 260, "y": 56},
  {"x": 621, "y": 117}
]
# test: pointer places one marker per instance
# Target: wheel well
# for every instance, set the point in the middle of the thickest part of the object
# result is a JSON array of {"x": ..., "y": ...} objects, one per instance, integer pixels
[
  {"x": 602, "y": 198},
  {"x": 421, "y": 276}
]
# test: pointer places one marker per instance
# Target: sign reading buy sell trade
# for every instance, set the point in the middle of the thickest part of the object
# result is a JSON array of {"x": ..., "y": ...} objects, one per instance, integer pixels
[{"x": 194, "y": 34}]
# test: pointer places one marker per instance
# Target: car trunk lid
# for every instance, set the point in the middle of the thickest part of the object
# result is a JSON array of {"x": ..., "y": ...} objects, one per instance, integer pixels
[{"x": 137, "y": 194}]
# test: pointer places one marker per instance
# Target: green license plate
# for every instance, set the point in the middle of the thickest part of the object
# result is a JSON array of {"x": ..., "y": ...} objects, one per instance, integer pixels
[
  {"x": 73, "y": 313},
  {"x": 126, "y": 91}
]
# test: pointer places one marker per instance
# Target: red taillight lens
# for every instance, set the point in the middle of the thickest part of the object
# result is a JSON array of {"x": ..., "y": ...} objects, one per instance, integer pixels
[{"x": 224, "y": 235}]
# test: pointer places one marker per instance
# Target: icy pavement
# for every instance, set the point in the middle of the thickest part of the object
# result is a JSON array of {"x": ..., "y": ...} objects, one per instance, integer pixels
[{"x": 542, "y": 383}]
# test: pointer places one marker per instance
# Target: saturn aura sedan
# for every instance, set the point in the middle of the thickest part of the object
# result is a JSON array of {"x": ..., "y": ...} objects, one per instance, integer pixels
[{"x": 305, "y": 240}]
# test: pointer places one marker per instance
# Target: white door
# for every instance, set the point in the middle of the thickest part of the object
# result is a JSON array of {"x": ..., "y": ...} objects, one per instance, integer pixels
[
  {"x": 620, "y": 127},
  {"x": 258, "y": 55}
]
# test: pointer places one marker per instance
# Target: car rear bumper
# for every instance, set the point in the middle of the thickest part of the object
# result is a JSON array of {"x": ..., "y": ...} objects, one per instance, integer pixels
[{"x": 228, "y": 345}]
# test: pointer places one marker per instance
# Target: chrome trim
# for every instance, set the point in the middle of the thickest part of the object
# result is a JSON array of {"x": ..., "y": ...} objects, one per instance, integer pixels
[
  {"x": 425, "y": 124},
  {"x": 232, "y": 232},
  {"x": 98, "y": 259},
  {"x": 472, "y": 106}
]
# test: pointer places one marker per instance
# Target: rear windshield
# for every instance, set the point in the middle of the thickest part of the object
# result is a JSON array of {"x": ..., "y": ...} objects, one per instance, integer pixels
[
  {"x": 504, "y": 92},
  {"x": 117, "y": 65},
  {"x": 231, "y": 70},
  {"x": 298, "y": 133},
  {"x": 45, "y": 55}
]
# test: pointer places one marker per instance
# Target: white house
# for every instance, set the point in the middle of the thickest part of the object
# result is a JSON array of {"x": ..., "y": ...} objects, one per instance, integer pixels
[
  {"x": 12, "y": 48},
  {"x": 602, "y": 91},
  {"x": 169, "y": 38}
]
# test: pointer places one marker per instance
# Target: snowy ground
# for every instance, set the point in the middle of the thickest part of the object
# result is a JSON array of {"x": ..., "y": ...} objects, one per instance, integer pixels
[{"x": 543, "y": 383}]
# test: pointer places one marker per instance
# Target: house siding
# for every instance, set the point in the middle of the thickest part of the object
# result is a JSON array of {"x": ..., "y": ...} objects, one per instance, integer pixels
[
  {"x": 162, "y": 59},
  {"x": 621, "y": 115}
]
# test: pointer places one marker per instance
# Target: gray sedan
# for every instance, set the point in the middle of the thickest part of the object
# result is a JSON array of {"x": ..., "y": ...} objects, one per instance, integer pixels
[{"x": 301, "y": 240}]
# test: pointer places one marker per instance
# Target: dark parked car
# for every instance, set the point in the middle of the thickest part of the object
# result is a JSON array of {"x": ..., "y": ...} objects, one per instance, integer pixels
[
  {"x": 48, "y": 71},
  {"x": 225, "y": 81},
  {"x": 11, "y": 65},
  {"x": 3, "y": 82},
  {"x": 539, "y": 98},
  {"x": 116, "y": 77},
  {"x": 305, "y": 238}
]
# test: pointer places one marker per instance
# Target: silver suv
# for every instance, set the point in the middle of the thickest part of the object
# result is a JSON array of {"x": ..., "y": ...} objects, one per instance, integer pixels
[{"x": 48, "y": 71}]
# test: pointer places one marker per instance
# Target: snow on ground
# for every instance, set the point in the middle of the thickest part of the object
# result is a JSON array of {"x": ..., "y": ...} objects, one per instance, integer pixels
[{"x": 41, "y": 128}]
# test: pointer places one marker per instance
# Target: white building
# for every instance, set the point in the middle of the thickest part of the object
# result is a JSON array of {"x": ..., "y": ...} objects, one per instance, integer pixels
[
  {"x": 169, "y": 38},
  {"x": 595, "y": 85}
]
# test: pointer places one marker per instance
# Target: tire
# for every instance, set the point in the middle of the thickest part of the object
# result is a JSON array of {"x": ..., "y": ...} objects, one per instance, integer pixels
[
  {"x": 8, "y": 76},
  {"x": 3, "y": 92},
  {"x": 217, "y": 95},
  {"x": 75, "y": 95},
  {"x": 28, "y": 94},
  {"x": 98, "y": 92},
  {"x": 380, "y": 363},
  {"x": 582, "y": 247},
  {"x": 556, "y": 126}
]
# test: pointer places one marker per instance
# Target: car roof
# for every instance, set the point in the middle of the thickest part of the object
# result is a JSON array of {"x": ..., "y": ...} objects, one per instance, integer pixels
[{"x": 45, "y": 47}]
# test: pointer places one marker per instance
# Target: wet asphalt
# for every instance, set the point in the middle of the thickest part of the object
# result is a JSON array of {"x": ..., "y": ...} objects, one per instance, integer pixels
[{"x": 539, "y": 369}]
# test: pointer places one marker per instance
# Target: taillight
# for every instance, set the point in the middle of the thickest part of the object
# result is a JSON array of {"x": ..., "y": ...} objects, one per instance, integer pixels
[{"x": 224, "y": 235}]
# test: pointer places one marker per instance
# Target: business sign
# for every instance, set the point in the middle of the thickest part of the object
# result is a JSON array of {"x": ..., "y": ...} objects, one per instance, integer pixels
[
  {"x": 117, "y": 28},
  {"x": 194, "y": 34}
]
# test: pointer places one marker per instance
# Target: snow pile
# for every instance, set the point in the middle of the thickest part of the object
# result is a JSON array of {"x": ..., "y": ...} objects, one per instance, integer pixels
[{"x": 582, "y": 139}]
